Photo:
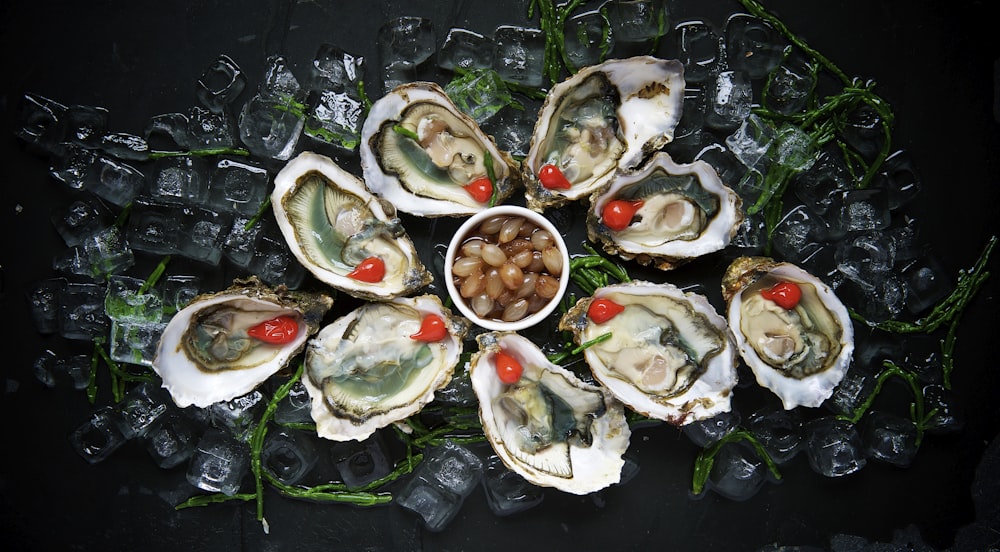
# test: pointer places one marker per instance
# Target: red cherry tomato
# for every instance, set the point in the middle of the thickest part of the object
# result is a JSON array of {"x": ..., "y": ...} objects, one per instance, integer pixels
[
  {"x": 481, "y": 189},
  {"x": 277, "y": 331},
  {"x": 552, "y": 178},
  {"x": 508, "y": 368},
  {"x": 432, "y": 329},
  {"x": 617, "y": 213},
  {"x": 370, "y": 270},
  {"x": 602, "y": 310},
  {"x": 784, "y": 294}
]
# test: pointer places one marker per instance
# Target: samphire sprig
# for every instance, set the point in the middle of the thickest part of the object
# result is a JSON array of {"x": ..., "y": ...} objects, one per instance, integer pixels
[
  {"x": 329, "y": 492},
  {"x": 918, "y": 412},
  {"x": 947, "y": 311},
  {"x": 594, "y": 270},
  {"x": 706, "y": 458}
]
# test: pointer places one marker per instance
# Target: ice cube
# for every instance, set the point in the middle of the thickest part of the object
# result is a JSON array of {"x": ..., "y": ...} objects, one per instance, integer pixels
[
  {"x": 588, "y": 38},
  {"x": 728, "y": 100},
  {"x": 361, "y": 462},
  {"x": 135, "y": 342},
  {"x": 182, "y": 180},
  {"x": 171, "y": 439},
  {"x": 220, "y": 84},
  {"x": 83, "y": 218},
  {"x": 636, "y": 20},
  {"x": 143, "y": 405},
  {"x": 43, "y": 299},
  {"x": 520, "y": 55},
  {"x": 408, "y": 39},
  {"x": 890, "y": 438},
  {"x": 753, "y": 45},
  {"x": 42, "y": 123},
  {"x": 218, "y": 463},
  {"x": 834, "y": 447},
  {"x": 705, "y": 432},
  {"x": 99, "y": 436},
  {"x": 737, "y": 472},
  {"x": 126, "y": 301},
  {"x": 699, "y": 49},
  {"x": 480, "y": 94},
  {"x": 433, "y": 490},
  {"x": 81, "y": 311},
  {"x": 465, "y": 50},
  {"x": 779, "y": 432},
  {"x": 506, "y": 491},
  {"x": 238, "y": 416},
  {"x": 288, "y": 455}
]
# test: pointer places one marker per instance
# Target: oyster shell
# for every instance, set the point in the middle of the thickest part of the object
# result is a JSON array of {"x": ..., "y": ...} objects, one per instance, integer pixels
[
  {"x": 365, "y": 371},
  {"x": 418, "y": 151},
  {"x": 605, "y": 118},
  {"x": 205, "y": 354},
  {"x": 549, "y": 427},
  {"x": 669, "y": 355},
  {"x": 684, "y": 211},
  {"x": 333, "y": 224},
  {"x": 799, "y": 351}
]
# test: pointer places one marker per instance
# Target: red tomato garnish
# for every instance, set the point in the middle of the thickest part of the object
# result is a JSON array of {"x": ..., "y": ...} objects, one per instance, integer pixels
[
  {"x": 370, "y": 270},
  {"x": 277, "y": 331},
  {"x": 602, "y": 310},
  {"x": 432, "y": 329},
  {"x": 508, "y": 368},
  {"x": 480, "y": 189},
  {"x": 552, "y": 178},
  {"x": 784, "y": 294},
  {"x": 617, "y": 213}
]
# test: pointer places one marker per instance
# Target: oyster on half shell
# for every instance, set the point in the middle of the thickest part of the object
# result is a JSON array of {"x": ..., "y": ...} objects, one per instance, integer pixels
[
  {"x": 548, "y": 426},
  {"x": 605, "y": 118},
  {"x": 420, "y": 152},
  {"x": 208, "y": 352},
  {"x": 368, "y": 369},
  {"x": 681, "y": 211},
  {"x": 790, "y": 328},
  {"x": 333, "y": 225},
  {"x": 668, "y": 355}
]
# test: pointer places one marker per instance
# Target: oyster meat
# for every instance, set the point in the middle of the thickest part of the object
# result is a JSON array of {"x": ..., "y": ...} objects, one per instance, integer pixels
[
  {"x": 605, "y": 118},
  {"x": 668, "y": 355},
  {"x": 548, "y": 426},
  {"x": 424, "y": 155},
  {"x": 790, "y": 328},
  {"x": 219, "y": 346},
  {"x": 371, "y": 367},
  {"x": 339, "y": 231},
  {"x": 664, "y": 213}
]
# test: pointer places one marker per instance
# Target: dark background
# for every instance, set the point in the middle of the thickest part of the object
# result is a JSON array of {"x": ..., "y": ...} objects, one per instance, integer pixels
[{"x": 934, "y": 64}]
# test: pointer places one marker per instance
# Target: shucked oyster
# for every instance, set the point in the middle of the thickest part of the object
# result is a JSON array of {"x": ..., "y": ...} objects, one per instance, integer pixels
[
  {"x": 380, "y": 364},
  {"x": 545, "y": 424},
  {"x": 790, "y": 328},
  {"x": 669, "y": 354},
  {"x": 222, "y": 345},
  {"x": 341, "y": 233},
  {"x": 605, "y": 118},
  {"x": 421, "y": 153},
  {"x": 664, "y": 213}
]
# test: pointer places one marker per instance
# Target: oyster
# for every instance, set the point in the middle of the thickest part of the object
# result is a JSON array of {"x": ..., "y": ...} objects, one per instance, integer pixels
[
  {"x": 218, "y": 347},
  {"x": 669, "y": 355},
  {"x": 548, "y": 426},
  {"x": 678, "y": 212},
  {"x": 421, "y": 153},
  {"x": 605, "y": 118},
  {"x": 371, "y": 367},
  {"x": 790, "y": 328},
  {"x": 343, "y": 234}
]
